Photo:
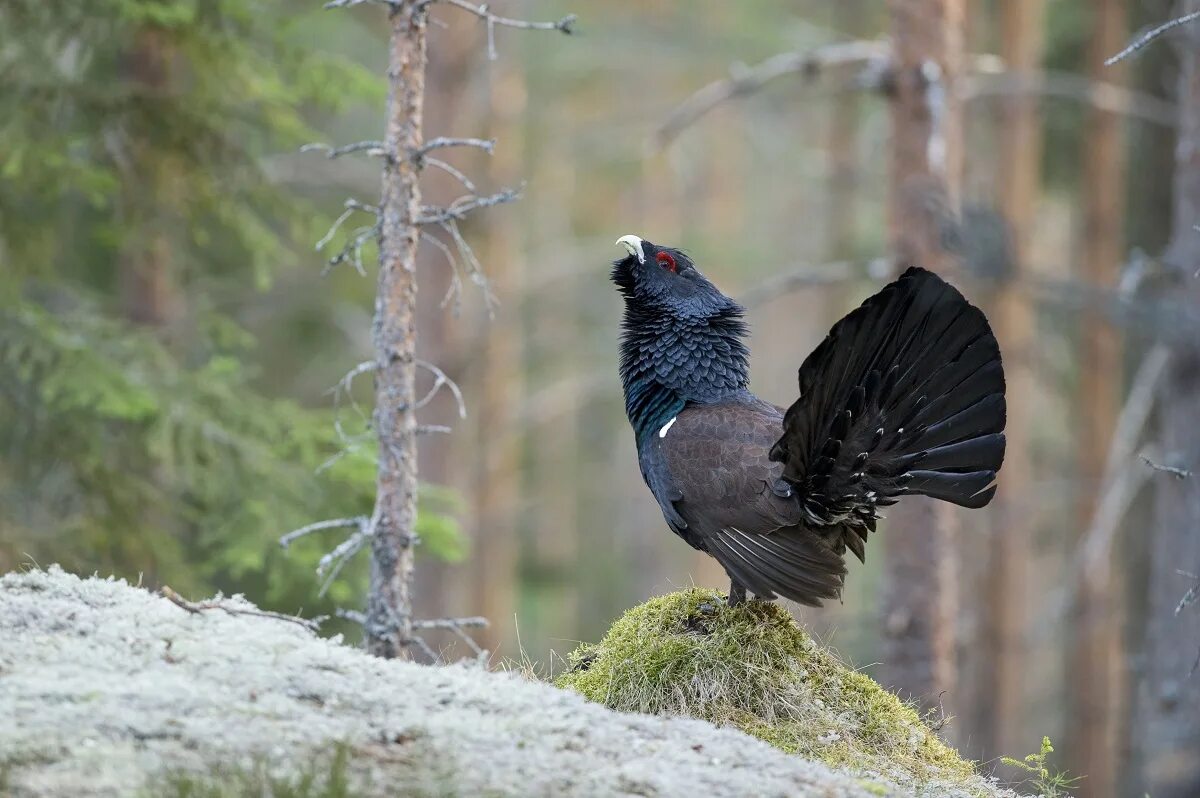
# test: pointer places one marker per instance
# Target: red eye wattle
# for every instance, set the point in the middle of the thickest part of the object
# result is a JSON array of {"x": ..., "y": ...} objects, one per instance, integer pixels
[{"x": 666, "y": 261}]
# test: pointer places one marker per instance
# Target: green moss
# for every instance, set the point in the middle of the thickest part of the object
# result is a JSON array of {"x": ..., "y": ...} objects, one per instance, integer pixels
[
  {"x": 752, "y": 667},
  {"x": 322, "y": 778}
]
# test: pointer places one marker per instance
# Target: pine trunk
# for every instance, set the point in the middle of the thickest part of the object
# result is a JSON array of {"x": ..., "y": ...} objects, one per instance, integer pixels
[
  {"x": 849, "y": 17},
  {"x": 145, "y": 280},
  {"x": 494, "y": 571},
  {"x": 1001, "y": 693},
  {"x": 1094, "y": 687},
  {"x": 921, "y": 594},
  {"x": 389, "y": 604},
  {"x": 1168, "y": 711},
  {"x": 448, "y": 77}
]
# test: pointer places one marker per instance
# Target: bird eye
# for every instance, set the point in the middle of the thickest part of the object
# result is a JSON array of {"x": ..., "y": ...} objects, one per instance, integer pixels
[{"x": 666, "y": 261}]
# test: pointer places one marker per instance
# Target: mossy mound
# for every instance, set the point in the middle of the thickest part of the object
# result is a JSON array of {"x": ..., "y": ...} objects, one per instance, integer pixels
[{"x": 752, "y": 667}]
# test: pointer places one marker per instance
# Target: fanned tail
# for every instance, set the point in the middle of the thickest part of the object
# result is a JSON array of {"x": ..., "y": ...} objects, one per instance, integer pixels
[{"x": 904, "y": 396}]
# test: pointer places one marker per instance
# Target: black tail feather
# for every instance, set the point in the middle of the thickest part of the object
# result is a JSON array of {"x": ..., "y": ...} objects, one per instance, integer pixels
[{"x": 913, "y": 380}]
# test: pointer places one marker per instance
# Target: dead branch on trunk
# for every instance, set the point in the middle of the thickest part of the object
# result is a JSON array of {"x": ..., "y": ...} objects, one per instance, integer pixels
[
  {"x": 987, "y": 76},
  {"x": 200, "y": 607},
  {"x": 1100, "y": 95},
  {"x": 1121, "y": 480},
  {"x": 400, "y": 216},
  {"x": 744, "y": 80},
  {"x": 803, "y": 277},
  {"x": 369, "y": 147},
  {"x": 460, "y": 627},
  {"x": 1175, "y": 471},
  {"x": 565, "y": 25},
  {"x": 1151, "y": 35}
]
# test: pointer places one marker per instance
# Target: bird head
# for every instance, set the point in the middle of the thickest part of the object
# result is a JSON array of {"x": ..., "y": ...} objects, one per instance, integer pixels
[{"x": 665, "y": 279}]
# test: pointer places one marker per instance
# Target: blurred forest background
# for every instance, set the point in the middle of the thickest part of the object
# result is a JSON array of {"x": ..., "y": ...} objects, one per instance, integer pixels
[{"x": 169, "y": 337}]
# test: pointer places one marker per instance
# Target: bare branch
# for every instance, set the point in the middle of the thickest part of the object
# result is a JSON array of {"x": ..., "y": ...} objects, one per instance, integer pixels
[
  {"x": 464, "y": 205},
  {"x": 1190, "y": 597},
  {"x": 1175, "y": 471},
  {"x": 1122, "y": 481},
  {"x": 369, "y": 147},
  {"x": 808, "y": 276},
  {"x": 199, "y": 607},
  {"x": 1151, "y": 35},
  {"x": 1069, "y": 86},
  {"x": 337, "y": 223},
  {"x": 459, "y": 627},
  {"x": 487, "y": 145},
  {"x": 453, "y": 172},
  {"x": 353, "y": 250},
  {"x": 454, "y": 290},
  {"x": 440, "y": 379},
  {"x": 353, "y": 3},
  {"x": 874, "y": 58},
  {"x": 473, "y": 266},
  {"x": 475, "y": 622},
  {"x": 342, "y": 554},
  {"x": 420, "y": 643},
  {"x": 746, "y": 81},
  {"x": 433, "y": 429},
  {"x": 347, "y": 380},
  {"x": 566, "y": 24},
  {"x": 343, "y": 388},
  {"x": 336, "y": 523}
]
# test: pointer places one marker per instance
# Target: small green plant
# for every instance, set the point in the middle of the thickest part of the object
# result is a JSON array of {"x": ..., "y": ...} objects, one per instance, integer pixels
[
  {"x": 1048, "y": 783},
  {"x": 323, "y": 778}
]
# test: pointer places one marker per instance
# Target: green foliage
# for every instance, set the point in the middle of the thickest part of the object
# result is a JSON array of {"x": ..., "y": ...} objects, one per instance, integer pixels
[
  {"x": 134, "y": 138},
  {"x": 1048, "y": 783},
  {"x": 115, "y": 454},
  {"x": 123, "y": 119},
  {"x": 752, "y": 667},
  {"x": 322, "y": 778},
  {"x": 328, "y": 776}
]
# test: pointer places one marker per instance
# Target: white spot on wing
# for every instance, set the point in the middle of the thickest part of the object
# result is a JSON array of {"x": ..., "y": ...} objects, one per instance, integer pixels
[{"x": 662, "y": 433}]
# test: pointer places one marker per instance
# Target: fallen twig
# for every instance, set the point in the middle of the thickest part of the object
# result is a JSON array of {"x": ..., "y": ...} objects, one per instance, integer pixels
[{"x": 199, "y": 607}]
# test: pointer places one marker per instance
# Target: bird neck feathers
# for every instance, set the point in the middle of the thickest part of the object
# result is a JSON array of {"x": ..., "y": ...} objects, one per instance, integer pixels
[{"x": 668, "y": 361}]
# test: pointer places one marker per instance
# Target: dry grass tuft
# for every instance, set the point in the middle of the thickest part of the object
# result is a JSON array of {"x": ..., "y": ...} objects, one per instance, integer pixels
[{"x": 752, "y": 667}]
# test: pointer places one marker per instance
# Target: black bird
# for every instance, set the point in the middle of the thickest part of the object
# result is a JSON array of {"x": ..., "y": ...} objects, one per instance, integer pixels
[{"x": 905, "y": 396}]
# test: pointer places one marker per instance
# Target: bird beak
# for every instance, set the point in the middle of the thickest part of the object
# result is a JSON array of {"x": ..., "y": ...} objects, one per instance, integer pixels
[{"x": 634, "y": 246}]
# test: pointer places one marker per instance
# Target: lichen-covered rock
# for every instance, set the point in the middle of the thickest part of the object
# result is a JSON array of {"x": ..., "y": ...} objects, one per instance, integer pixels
[
  {"x": 109, "y": 690},
  {"x": 753, "y": 668}
]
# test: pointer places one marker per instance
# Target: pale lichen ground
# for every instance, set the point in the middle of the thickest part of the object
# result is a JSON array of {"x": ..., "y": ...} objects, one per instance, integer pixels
[{"x": 106, "y": 689}]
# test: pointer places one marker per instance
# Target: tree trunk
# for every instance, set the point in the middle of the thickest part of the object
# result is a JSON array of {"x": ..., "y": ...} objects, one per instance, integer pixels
[
  {"x": 453, "y": 60},
  {"x": 1004, "y": 611},
  {"x": 921, "y": 594},
  {"x": 1168, "y": 711},
  {"x": 849, "y": 17},
  {"x": 145, "y": 281},
  {"x": 389, "y": 607},
  {"x": 494, "y": 549},
  {"x": 1094, "y": 659}
]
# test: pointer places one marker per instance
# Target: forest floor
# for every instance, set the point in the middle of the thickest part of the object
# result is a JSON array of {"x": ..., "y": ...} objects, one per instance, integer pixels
[{"x": 110, "y": 690}]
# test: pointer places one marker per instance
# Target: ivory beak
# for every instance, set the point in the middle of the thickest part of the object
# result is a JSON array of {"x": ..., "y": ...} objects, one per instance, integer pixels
[{"x": 633, "y": 245}]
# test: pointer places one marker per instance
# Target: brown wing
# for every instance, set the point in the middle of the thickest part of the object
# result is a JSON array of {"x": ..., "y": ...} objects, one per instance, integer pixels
[{"x": 735, "y": 503}]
